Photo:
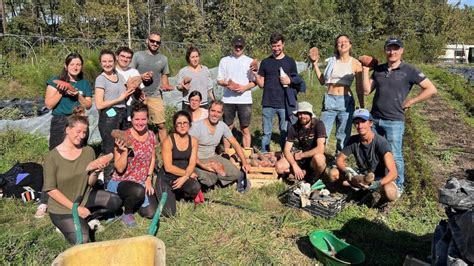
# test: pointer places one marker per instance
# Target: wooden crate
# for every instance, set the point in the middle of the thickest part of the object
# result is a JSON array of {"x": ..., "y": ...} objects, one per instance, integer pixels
[{"x": 261, "y": 176}]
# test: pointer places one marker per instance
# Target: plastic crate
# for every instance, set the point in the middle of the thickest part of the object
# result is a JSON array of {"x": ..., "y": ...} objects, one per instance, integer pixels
[{"x": 326, "y": 207}]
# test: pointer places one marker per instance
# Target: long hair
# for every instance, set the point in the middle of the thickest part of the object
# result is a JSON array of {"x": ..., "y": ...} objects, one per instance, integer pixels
[
  {"x": 107, "y": 52},
  {"x": 336, "y": 52},
  {"x": 64, "y": 74}
]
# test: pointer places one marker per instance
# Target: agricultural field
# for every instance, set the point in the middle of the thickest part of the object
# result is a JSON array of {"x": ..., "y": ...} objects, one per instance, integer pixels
[{"x": 256, "y": 228}]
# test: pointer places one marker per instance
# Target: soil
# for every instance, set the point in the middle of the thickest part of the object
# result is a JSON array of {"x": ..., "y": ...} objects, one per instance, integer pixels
[{"x": 454, "y": 152}]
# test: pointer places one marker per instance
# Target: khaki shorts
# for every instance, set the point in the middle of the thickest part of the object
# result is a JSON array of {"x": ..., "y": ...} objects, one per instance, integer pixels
[{"x": 156, "y": 110}]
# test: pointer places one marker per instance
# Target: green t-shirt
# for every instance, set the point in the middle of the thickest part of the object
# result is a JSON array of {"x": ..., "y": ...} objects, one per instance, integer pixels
[
  {"x": 69, "y": 177},
  {"x": 68, "y": 102}
]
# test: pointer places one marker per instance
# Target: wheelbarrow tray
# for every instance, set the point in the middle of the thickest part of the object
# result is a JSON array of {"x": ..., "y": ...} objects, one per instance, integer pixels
[
  {"x": 347, "y": 254},
  {"x": 140, "y": 250}
]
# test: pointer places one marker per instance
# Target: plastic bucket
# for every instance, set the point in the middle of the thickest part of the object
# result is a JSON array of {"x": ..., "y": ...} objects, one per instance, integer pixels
[{"x": 346, "y": 254}]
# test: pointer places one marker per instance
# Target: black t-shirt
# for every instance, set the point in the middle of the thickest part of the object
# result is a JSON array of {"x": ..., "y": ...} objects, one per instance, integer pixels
[
  {"x": 392, "y": 88},
  {"x": 273, "y": 90},
  {"x": 369, "y": 157},
  {"x": 306, "y": 138}
]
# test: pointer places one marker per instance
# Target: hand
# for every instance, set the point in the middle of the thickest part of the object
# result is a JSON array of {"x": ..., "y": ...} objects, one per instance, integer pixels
[
  {"x": 83, "y": 212},
  {"x": 147, "y": 76},
  {"x": 125, "y": 94},
  {"x": 246, "y": 167},
  {"x": 407, "y": 104},
  {"x": 120, "y": 145},
  {"x": 142, "y": 97},
  {"x": 184, "y": 86},
  {"x": 313, "y": 54},
  {"x": 285, "y": 80},
  {"x": 149, "y": 190},
  {"x": 178, "y": 183},
  {"x": 194, "y": 175},
  {"x": 299, "y": 174},
  {"x": 166, "y": 87},
  {"x": 375, "y": 186},
  {"x": 348, "y": 174},
  {"x": 298, "y": 155}
]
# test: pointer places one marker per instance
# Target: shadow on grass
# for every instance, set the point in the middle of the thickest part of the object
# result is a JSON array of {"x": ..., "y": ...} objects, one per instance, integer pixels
[{"x": 380, "y": 244}]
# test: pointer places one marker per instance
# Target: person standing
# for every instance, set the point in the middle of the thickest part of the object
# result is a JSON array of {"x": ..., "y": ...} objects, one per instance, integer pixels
[
  {"x": 235, "y": 75},
  {"x": 194, "y": 77},
  {"x": 154, "y": 70},
  {"x": 392, "y": 82},
  {"x": 338, "y": 102},
  {"x": 274, "y": 76}
]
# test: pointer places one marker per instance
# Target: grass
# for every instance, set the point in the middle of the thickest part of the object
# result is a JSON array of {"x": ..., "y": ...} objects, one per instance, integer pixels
[{"x": 254, "y": 228}]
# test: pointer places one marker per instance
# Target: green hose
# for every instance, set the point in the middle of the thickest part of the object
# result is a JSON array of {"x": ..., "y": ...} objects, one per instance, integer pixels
[
  {"x": 154, "y": 223},
  {"x": 77, "y": 222}
]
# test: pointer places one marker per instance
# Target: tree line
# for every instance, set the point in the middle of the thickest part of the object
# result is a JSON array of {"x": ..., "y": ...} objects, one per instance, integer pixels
[{"x": 426, "y": 26}]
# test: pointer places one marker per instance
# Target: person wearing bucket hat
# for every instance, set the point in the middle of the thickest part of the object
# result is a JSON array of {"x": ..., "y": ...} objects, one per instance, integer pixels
[
  {"x": 235, "y": 76},
  {"x": 372, "y": 153},
  {"x": 392, "y": 82},
  {"x": 310, "y": 135}
]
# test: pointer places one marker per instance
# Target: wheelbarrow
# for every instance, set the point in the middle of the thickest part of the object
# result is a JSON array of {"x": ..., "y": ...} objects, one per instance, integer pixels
[
  {"x": 141, "y": 250},
  {"x": 333, "y": 251}
]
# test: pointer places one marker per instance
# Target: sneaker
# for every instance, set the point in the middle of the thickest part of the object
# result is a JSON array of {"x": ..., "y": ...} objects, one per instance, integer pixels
[
  {"x": 95, "y": 225},
  {"x": 41, "y": 211},
  {"x": 129, "y": 220}
]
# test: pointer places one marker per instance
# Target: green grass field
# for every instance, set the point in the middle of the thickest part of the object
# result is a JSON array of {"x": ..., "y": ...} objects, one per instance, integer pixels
[{"x": 254, "y": 228}]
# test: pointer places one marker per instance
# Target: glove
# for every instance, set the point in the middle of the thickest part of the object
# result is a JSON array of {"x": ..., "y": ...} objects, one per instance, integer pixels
[{"x": 375, "y": 186}]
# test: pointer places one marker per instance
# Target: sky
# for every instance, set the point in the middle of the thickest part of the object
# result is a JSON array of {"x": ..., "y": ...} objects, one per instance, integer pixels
[{"x": 463, "y": 2}]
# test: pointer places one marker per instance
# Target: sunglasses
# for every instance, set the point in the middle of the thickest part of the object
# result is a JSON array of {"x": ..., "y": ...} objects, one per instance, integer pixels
[
  {"x": 154, "y": 41},
  {"x": 239, "y": 47}
]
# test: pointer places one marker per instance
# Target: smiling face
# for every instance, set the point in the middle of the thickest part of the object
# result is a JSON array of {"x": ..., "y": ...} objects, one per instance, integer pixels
[
  {"x": 181, "y": 125},
  {"x": 362, "y": 126},
  {"x": 393, "y": 53},
  {"x": 343, "y": 45},
  {"x": 153, "y": 43},
  {"x": 107, "y": 62},
  {"x": 139, "y": 121},
  {"x": 215, "y": 113},
  {"x": 76, "y": 133},
  {"x": 124, "y": 59},
  {"x": 194, "y": 102},
  {"x": 238, "y": 50},
  {"x": 74, "y": 68},
  {"x": 304, "y": 118},
  {"x": 277, "y": 48},
  {"x": 194, "y": 59}
]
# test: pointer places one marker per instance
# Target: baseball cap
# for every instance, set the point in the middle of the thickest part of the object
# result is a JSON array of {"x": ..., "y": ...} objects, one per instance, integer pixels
[
  {"x": 393, "y": 41},
  {"x": 363, "y": 114},
  {"x": 238, "y": 40},
  {"x": 305, "y": 107}
]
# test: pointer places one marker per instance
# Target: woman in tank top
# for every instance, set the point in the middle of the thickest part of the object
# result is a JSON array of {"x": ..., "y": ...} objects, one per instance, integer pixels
[
  {"x": 338, "y": 103},
  {"x": 179, "y": 160}
]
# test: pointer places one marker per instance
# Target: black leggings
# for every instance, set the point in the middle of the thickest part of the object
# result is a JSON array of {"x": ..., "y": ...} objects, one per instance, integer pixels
[
  {"x": 98, "y": 199},
  {"x": 188, "y": 191},
  {"x": 133, "y": 195}
]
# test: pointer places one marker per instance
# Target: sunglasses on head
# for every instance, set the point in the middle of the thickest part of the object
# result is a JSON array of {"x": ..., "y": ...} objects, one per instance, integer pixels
[{"x": 154, "y": 41}]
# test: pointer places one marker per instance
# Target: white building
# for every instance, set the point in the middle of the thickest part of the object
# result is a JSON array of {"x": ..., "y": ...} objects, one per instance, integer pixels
[{"x": 458, "y": 53}]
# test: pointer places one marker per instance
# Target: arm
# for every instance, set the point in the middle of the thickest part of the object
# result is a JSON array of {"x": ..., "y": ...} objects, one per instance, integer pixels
[
  {"x": 319, "y": 75},
  {"x": 427, "y": 90},
  {"x": 238, "y": 149},
  {"x": 101, "y": 104},
  {"x": 260, "y": 80},
  {"x": 291, "y": 160},
  {"x": 359, "y": 83},
  {"x": 367, "y": 83},
  {"x": 319, "y": 149},
  {"x": 193, "y": 159},
  {"x": 63, "y": 200},
  {"x": 85, "y": 101},
  {"x": 149, "y": 190},
  {"x": 52, "y": 97},
  {"x": 167, "y": 155},
  {"x": 391, "y": 167},
  {"x": 165, "y": 83},
  {"x": 341, "y": 162}
]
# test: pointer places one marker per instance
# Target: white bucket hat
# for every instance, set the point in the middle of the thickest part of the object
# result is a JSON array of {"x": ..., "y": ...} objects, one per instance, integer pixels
[{"x": 305, "y": 107}]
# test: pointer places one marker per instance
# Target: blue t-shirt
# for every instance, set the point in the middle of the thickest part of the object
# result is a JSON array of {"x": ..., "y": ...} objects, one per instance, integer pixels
[
  {"x": 392, "y": 88},
  {"x": 67, "y": 102},
  {"x": 273, "y": 90}
]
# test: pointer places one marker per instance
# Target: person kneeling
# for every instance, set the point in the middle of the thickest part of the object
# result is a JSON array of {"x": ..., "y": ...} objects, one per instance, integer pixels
[
  {"x": 373, "y": 155},
  {"x": 134, "y": 160},
  {"x": 310, "y": 134}
]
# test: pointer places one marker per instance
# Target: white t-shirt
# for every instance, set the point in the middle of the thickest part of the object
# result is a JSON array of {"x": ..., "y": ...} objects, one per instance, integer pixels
[
  {"x": 237, "y": 69},
  {"x": 130, "y": 72}
]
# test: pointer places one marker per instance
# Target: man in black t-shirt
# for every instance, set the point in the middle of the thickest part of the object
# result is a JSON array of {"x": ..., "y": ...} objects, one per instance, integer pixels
[
  {"x": 309, "y": 136},
  {"x": 392, "y": 82},
  {"x": 275, "y": 77},
  {"x": 372, "y": 154}
]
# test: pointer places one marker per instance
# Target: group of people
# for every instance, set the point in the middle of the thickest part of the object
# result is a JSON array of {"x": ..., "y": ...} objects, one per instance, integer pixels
[{"x": 128, "y": 96}]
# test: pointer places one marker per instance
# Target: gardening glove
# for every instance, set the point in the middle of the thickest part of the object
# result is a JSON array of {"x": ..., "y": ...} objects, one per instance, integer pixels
[{"x": 375, "y": 186}]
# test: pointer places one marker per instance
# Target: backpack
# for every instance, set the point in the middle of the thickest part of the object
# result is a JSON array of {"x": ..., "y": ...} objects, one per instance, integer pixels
[{"x": 23, "y": 180}]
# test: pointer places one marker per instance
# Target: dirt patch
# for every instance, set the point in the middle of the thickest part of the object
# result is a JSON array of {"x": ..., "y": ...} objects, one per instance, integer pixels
[{"x": 454, "y": 152}]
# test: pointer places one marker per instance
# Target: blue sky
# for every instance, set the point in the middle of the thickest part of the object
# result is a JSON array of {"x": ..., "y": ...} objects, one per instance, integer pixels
[{"x": 463, "y": 2}]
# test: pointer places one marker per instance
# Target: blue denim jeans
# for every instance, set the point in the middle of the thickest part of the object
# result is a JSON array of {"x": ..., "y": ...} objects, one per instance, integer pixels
[
  {"x": 393, "y": 131},
  {"x": 268, "y": 114},
  {"x": 339, "y": 108}
]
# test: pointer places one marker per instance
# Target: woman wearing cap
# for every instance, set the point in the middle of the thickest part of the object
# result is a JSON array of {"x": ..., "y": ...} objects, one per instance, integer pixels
[
  {"x": 338, "y": 102},
  {"x": 195, "y": 77}
]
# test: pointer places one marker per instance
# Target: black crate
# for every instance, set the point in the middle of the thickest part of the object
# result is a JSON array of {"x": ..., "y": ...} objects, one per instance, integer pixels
[{"x": 326, "y": 207}]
